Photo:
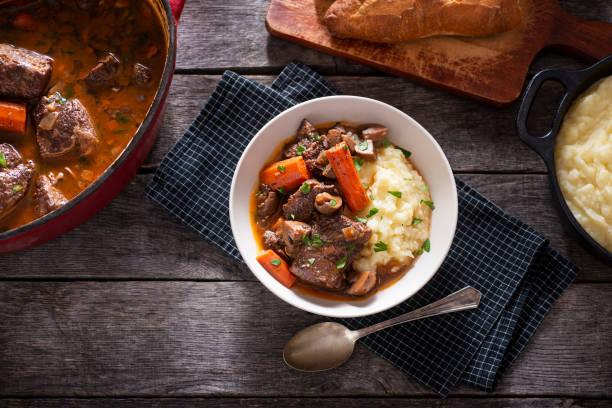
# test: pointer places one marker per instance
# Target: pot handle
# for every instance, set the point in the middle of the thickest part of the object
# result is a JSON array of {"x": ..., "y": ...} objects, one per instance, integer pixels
[
  {"x": 177, "y": 8},
  {"x": 543, "y": 145}
]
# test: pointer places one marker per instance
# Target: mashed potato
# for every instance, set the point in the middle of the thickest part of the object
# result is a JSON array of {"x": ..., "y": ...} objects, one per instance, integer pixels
[
  {"x": 583, "y": 158},
  {"x": 394, "y": 223}
]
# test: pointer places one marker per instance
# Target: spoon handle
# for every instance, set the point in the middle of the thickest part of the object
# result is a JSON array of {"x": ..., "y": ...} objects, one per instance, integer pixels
[{"x": 464, "y": 299}]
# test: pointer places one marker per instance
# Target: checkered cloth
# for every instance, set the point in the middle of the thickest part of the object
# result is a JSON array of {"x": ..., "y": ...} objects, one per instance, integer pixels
[{"x": 518, "y": 273}]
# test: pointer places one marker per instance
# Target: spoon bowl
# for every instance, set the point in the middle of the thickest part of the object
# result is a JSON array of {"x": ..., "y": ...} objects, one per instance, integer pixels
[
  {"x": 327, "y": 345},
  {"x": 319, "y": 347}
]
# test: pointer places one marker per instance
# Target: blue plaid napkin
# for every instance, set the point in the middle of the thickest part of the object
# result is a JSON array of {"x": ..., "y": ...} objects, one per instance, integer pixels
[{"x": 518, "y": 273}]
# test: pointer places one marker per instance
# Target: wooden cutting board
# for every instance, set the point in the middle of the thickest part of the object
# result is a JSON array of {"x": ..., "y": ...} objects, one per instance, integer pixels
[{"x": 490, "y": 69}]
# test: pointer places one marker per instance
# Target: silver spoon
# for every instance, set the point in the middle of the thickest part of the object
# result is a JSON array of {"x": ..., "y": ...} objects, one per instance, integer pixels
[{"x": 326, "y": 345}]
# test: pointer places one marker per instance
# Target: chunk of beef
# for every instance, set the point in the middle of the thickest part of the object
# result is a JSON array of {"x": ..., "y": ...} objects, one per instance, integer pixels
[
  {"x": 351, "y": 141},
  {"x": 15, "y": 179},
  {"x": 268, "y": 205},
  {"x": 333, "y": 137},
  {"x": 327, "y": 204},
  {"x": 305, "y": 130},
  {"x": 274, "y": 241},
  {"x": 24, "y": 74},
  {"x": 375, "y": 133},
  {"x": 362, "y": 283},
  {"x": 324, "y": 265},
  {"x": 293, "y": 232},
  {"x": 63, "y": 127},
  {"x": 47, "y": 197},
  {"x": 11, "y": 156},
  {"x": 300, "y": 205},
  {"x": 141, "y": 74},
  {"x": 365, "y": 149},
  {"x": 104, "y": 72}
]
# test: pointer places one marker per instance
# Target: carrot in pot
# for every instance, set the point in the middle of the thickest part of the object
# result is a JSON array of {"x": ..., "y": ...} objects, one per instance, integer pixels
[
  {"x": 286, "y": 174},
  {"x": 13, "y": 117},
  {"x": 341, "y": 161},
  {"x": 277, "y": 267}
]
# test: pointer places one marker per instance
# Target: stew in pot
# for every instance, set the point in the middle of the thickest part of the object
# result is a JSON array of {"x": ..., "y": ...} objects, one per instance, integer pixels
[{"x": 77, "y": 78}]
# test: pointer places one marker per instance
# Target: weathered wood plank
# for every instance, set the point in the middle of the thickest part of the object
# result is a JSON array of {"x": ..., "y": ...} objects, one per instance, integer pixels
[
  {"x": 303, "y": 402},
  {"x": 134, "y": 239},
  {"x": 215, "y": 35},
  {"x": 474, "y": 137},
  {"x": 225, "y": 338}
]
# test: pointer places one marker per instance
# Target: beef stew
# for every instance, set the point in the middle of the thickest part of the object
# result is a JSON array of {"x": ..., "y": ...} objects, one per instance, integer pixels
[{"x": 77, "y": 79}]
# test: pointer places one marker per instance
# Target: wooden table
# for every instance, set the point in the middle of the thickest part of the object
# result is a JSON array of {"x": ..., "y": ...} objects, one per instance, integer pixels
[{"x": 134, "y": 308}]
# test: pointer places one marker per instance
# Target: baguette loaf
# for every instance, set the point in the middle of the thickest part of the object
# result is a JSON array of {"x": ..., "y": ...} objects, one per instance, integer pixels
[{"x": 392, "y": 21}]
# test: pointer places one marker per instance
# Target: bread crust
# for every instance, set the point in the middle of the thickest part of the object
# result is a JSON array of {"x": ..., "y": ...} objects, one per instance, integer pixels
[{"x": 392, "y": 21}]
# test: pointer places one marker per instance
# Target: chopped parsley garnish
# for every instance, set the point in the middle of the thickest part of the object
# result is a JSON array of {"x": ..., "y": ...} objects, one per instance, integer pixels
[
  {"x": 424, "y": 187},
  {"x": 363, "y": 146},
  {"x": 58, "y": 96},
  {"x": 365, "y": 186},
  {"x": 317, "y": 136},
  {"x": 342, "y": 263},
  {"x": 427, "y": 245},
  {"x": 345, "y": 148},
  {"x": 397, "y": 194},
  {"x": 2, "y": 160},
  {"x": 292, "y": 216},
  {"x": 358, "y": 162},
  {"x": 281, "y": 168},
  {"x": 373, "y": 211},
  {"x": 371, "y": 196},
  {"x": 361, "y": 219},
  {"x": 429, "y": 203},
  {"x": 385, "y": 143},
  {"x": 275, "y": 262},
  {"x": 122, "y": 118},
  {"x": 300, "y": 150},
  {"x": 416, "y": 221},
  {"x": 406, "y": 152},
  {"x": 333, "y": 203},
  {"x": 311, "y": 135},
  {"x": 316, "y": 240},
  {"x": 281, "y": 190},
  {"x": 258, "y": 192},
  {"x": 311, "y": 260},
  {"x": 305, "y": 188},
  {"x": 17, "y": 188},
  {"x": 419, "y": 252},
  {"x": 380, "y": 246}
]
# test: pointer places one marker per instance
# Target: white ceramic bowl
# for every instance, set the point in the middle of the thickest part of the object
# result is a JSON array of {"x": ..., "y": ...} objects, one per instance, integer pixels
[{"x": 403, "y": 131}]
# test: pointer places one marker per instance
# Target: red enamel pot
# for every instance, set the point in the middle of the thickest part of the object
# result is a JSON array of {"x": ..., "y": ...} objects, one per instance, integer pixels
[{"x": 110, "y": 183}]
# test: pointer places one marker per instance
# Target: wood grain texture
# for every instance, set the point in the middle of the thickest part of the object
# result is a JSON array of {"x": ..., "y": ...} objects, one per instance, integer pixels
[
  {"x": 134, "y": 239},
  {"x": 475, "y": 137},
  {"x": 304, "y": 402},
  {"x": 225, "y": 338},
  {"x": 216, "y": 35},
  {"x": 489, "y": 69}
]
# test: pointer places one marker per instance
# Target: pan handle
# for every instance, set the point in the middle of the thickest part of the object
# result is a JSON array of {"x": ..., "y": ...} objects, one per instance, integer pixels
[
  {"x": 543, "y": 145},
  {"x": 177, "y": 8}
]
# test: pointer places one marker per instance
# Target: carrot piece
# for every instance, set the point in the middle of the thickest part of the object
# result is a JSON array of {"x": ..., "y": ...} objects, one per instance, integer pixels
[
  {"x": 13, "y": 117},
  {"x": 286, "y": 174},
  {"x": 278, "y": 223},
  {"x": 277, "y": 267},
  {"x": 341, "y": 161}
]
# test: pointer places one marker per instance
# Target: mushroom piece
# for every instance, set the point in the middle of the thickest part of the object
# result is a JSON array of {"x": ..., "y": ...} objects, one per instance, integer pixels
[
  {"x": 326, "y": 203},
  {"x": 329, "y": 172},
  {"x": 375, "y": 133},
  {"x": 362, "y": 283},
  {"x": 365, "y": 149}
]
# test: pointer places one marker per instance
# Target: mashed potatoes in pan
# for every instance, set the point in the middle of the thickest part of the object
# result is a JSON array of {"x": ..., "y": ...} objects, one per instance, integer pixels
[
  {"x": 583, "y": 158},
  {"x": 399, "y": 214}
]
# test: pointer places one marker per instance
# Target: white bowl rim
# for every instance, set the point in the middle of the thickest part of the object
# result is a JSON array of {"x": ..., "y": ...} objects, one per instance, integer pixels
[{"x": 332, "y": 312}]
